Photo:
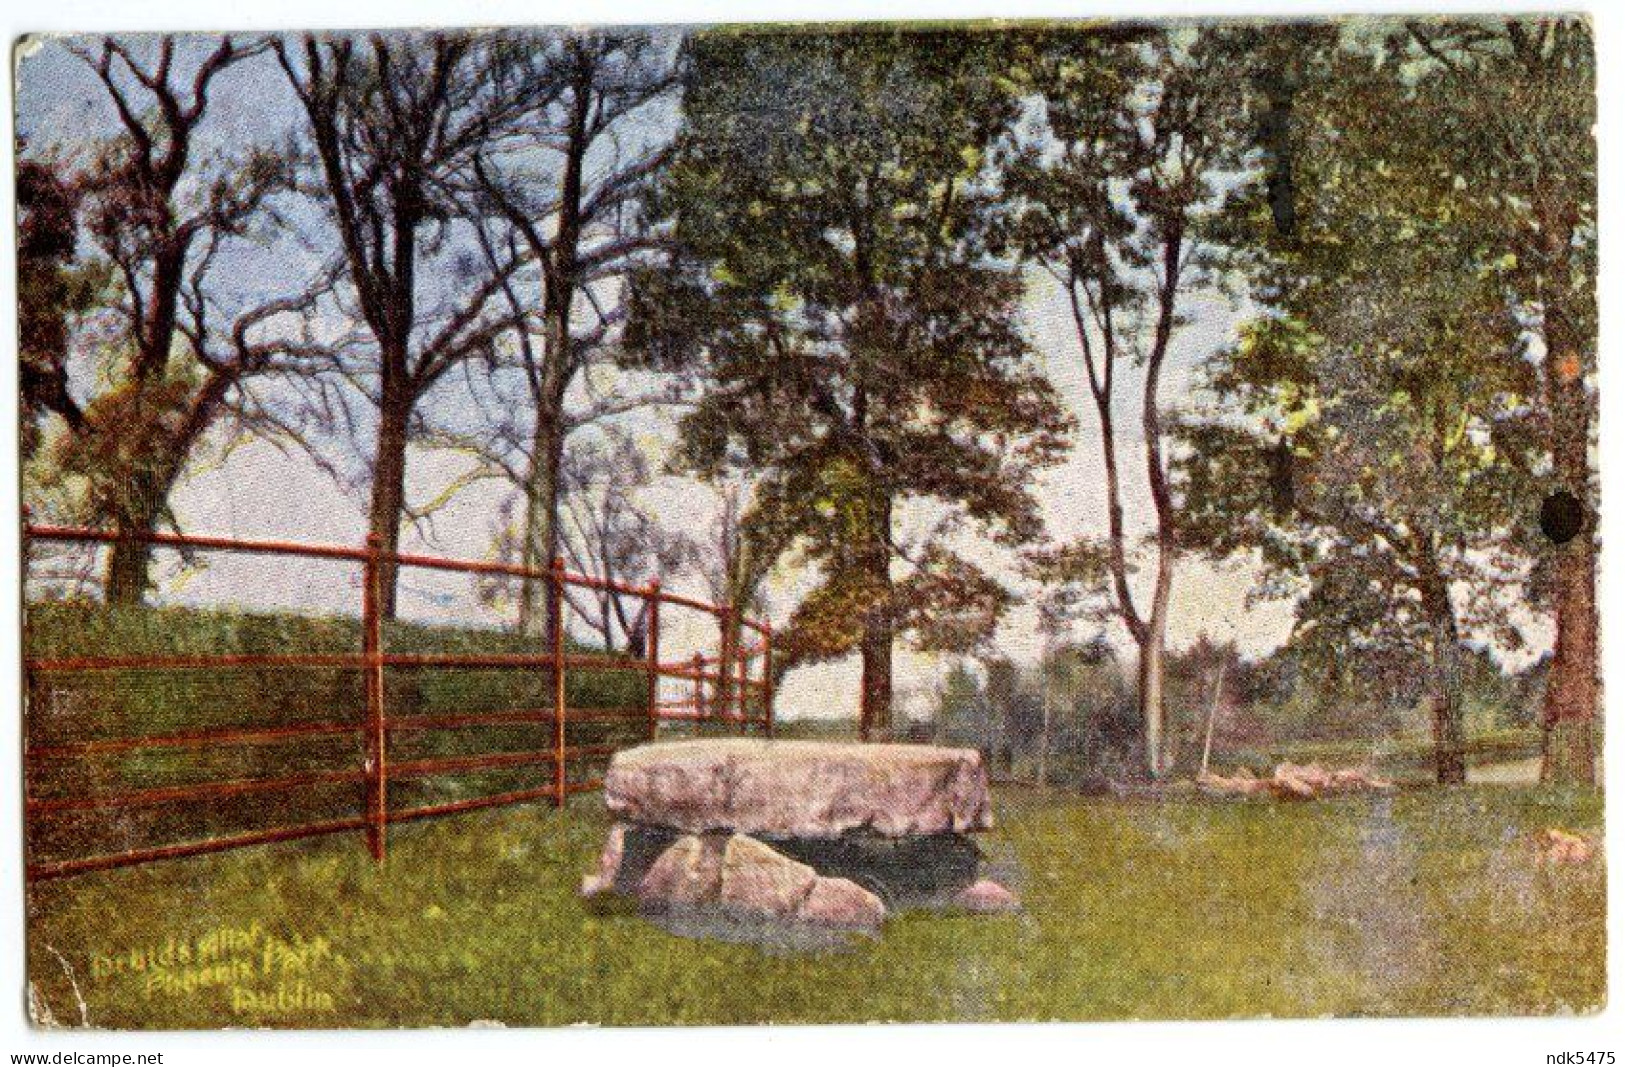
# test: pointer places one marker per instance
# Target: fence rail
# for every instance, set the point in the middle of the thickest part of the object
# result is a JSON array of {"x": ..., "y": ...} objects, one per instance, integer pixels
[{"x": 722, "y": 690}]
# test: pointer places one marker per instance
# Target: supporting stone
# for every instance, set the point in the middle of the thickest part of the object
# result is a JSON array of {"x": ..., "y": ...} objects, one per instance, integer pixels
[
  {"x": 844, "y": 903},
  {"x": 757, "y": 880},
  {"x": 687, "y": 873}
]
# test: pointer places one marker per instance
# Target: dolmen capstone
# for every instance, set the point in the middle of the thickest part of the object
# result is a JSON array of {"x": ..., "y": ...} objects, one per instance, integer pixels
[{"x": 805, "y": 832}]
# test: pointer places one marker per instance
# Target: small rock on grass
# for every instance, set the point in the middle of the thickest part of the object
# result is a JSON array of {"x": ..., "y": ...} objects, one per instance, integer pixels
[
  {"x": 1291, "y": 781},
  {"x": 1352, "y": 779},
  {"x": 1290, "y": 784},
  {"x": 1560, "y": 846},
  {"x": 986, "y": 897},
  {"x": 1243, "y": 783}
]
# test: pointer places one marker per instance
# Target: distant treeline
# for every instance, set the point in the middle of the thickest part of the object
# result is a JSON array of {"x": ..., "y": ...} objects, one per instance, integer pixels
[{"x": 1365, "y": 709}]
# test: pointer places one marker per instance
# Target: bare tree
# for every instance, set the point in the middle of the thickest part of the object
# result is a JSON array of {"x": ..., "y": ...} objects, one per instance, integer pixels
[
  {"x": 607, "y": 533},
  {"x": 393, "y": 122},
  {"x": 572, "y": 214},
  {"x": 160, "y": 208},
  {"x": 735, "y": 558}
]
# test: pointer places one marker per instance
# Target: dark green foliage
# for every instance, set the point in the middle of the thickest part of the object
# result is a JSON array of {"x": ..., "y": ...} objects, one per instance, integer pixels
[
  {"x": 1376, "y": 434},
  {"x": 1094, "y": 721},
  {"x": 53, "y": 290}
]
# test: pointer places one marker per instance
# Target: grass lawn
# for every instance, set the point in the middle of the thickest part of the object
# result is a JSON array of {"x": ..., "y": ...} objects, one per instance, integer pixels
[
  {"x": 1432, "y": 902},
  {"x": 1406, "y": 759}
]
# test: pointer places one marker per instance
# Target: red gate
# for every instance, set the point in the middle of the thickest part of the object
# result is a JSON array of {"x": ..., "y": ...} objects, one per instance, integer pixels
[{"x": 723, "y": 690}]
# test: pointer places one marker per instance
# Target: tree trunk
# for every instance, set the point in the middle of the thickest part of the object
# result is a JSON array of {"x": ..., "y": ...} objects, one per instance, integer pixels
[
  {"x": 559, "y": 264},
  {"x": 1569, "y": 715},
  {"x": 1568, "y": 718},
  {"x": 729, "y": 632},
  {"x": 1045, "y": 710},
  {"x": 1153, "y": 701},
  {"x": 875, "y": 716},
  {"x": 875, "y": 711},
  {"x": 1156, "y": 474},
  {"x": 129, "y": 562},
  {"x": 1213, "y": 716},
  {"x": 1149, "y": 677},
  {"x": 389, "y": 489},
  {"x": 1448, "y": 757},
  {"x": 1444, "y": 695},
  {"x": 736, "y": 594},
  {"x": 540, "y": 543},
  {"x": 151, "y": 481}
]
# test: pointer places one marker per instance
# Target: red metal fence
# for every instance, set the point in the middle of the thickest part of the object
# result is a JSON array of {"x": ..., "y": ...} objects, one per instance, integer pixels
[{"x": 721, "y": 689}]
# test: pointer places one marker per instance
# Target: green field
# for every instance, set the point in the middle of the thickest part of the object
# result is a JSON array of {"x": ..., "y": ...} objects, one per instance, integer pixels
[{"x": 1432, "y": 902}]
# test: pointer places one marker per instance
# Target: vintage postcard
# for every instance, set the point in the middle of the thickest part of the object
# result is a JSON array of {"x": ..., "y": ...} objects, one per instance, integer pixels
[{"x": 742, "y": 524}]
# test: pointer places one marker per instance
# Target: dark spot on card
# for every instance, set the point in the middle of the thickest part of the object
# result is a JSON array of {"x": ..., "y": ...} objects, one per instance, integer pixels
[{"x": 1562, "y": 516}]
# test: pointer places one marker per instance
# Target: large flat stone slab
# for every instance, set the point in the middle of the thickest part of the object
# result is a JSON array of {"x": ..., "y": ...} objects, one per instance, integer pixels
[{"x": 800, "y": 788}]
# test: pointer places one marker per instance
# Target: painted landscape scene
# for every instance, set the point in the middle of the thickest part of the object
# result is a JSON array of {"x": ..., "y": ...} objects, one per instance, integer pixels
[{"x": 738, "y": 524}]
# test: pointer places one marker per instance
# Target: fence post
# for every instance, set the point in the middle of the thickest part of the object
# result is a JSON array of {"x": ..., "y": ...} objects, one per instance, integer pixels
[
  {"x": 723, "y": 697},
  {"x": 372, "y": 647},
  {"x": 767, "y": 677},
  {"x": 652, "y": 650},
  {"x": 556, "y": 624},
  {"x": 698, "y": 666},
  {"x": 742, "y": 677}
]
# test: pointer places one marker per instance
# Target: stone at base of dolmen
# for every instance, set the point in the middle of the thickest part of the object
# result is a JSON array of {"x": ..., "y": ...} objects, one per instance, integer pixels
[
  {"x": 610, "y": 861},
  {"x": 756, "y": 880},
  {"x": 842, "y": 902},
  {"x": 792, "y": 789},
  {"x": 689, "y": 872},
  {"x": 734, "y": 874},
  {"x": 662, "y": 867}
]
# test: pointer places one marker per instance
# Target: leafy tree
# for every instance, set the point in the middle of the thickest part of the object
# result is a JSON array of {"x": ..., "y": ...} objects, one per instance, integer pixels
[
  {"x": 1113, "y": 188},
  {"x": 961, "y": 711},
  {"x": 833, "y": 285},
  {"x": 53, "y": 291},
  {"x": 1382, "y": 395},
  {"x": 1511, "y": 106},
  {"x": 1065, "y": 716}
]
